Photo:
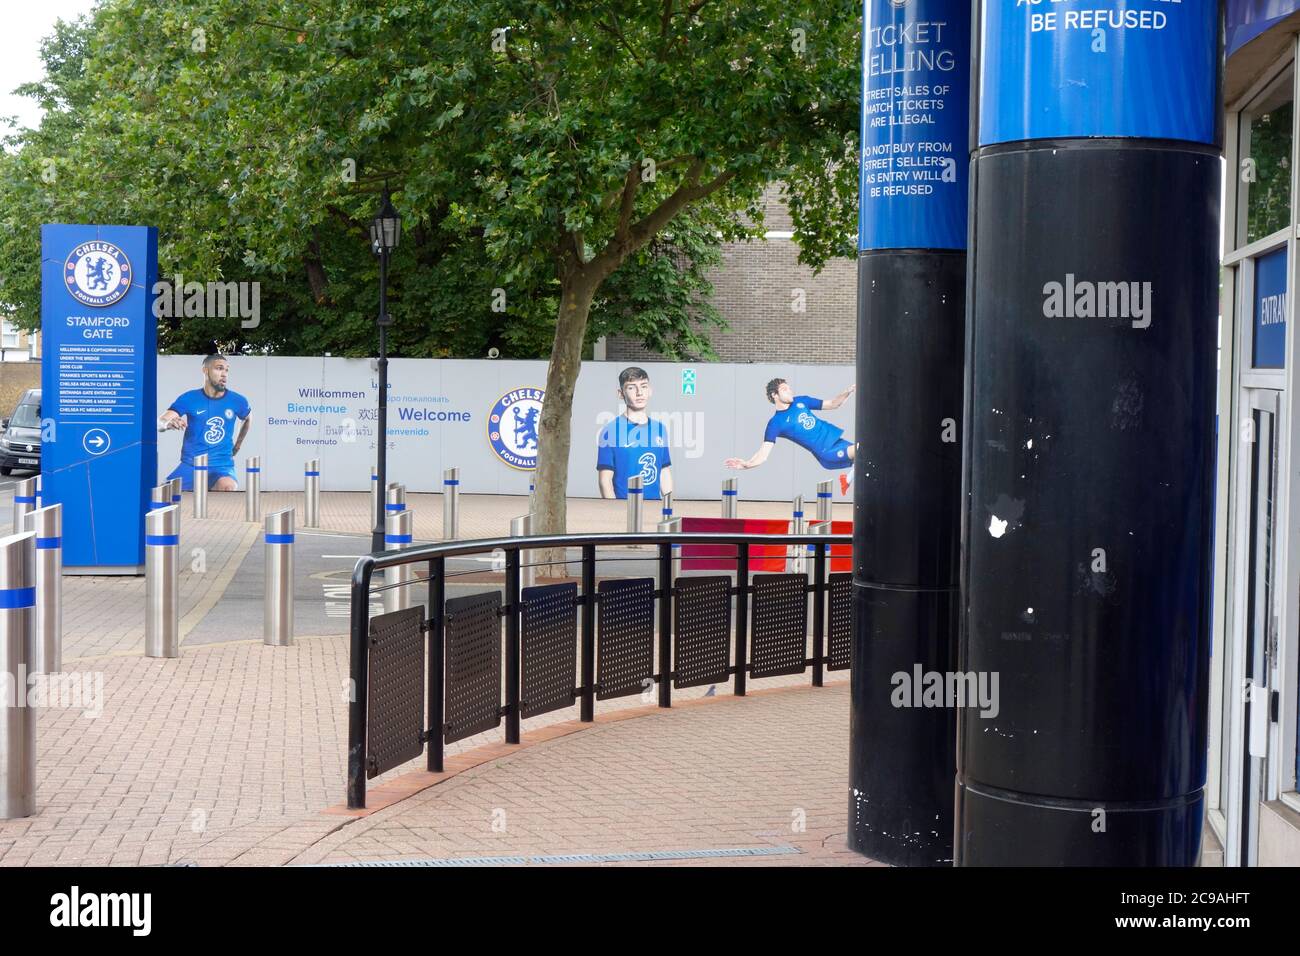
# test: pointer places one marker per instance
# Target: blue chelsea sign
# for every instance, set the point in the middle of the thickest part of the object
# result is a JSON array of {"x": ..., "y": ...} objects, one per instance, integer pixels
[
  {"x": 99, "y": 371},
  {"x": 914, "y": 154},
  {"x": 1114, "y": 68}
]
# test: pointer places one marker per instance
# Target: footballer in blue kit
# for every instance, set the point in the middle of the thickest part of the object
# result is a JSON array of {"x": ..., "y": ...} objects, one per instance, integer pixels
[
  {"x": 634, "y": 444},
  {"x": 794, "y": 420},
  {"x": 208, "y": 416}
]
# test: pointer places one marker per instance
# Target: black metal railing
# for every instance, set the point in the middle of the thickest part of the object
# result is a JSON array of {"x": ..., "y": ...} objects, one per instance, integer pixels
[{"x": 552, "y": 630}]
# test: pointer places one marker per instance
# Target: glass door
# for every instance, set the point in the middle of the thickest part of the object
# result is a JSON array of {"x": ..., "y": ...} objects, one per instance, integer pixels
[{"x": 1246, "y": 721}]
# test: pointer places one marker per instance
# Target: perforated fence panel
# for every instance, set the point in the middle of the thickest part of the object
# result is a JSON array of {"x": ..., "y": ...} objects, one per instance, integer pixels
[
  {"x": 625, "y": 633},
  {"x": 395, "y": 690},
  {"x": 780, "y": 624},
  {"x": 549, "y": 645},
  {"x": 839, "y": 622},
  {"x": 472, "y": 686},
  {"x": 702, "y": 631}
]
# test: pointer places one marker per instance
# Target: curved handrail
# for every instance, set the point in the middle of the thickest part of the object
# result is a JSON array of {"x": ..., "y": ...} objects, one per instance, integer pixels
[
  {"x": 379, "y": 560},
  {"x": 436, "y": 554}
]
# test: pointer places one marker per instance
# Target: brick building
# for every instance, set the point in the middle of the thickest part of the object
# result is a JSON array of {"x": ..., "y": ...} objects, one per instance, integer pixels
[{"x": 776, "y": 309}]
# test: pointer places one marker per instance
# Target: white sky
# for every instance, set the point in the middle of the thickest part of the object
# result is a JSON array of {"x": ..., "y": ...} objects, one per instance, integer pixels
[{"x": 26, "y": 23}]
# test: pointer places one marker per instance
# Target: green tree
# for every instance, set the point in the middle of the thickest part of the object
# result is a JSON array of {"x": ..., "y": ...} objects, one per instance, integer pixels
[
  {"x": 584, "y": 158},
  {"x": 192, "y": 118}
]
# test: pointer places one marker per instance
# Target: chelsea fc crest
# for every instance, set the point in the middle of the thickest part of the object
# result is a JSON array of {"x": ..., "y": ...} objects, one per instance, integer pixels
[
  {"x": 97, "y": 273},
  {"x": 512, "y": 427}
]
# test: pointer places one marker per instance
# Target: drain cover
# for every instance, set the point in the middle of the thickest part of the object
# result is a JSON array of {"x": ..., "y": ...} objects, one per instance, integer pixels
[{"x": 562, "y": 858}]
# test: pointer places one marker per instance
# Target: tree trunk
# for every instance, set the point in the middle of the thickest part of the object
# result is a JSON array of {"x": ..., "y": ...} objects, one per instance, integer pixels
[{"x": 576, "y": 293}]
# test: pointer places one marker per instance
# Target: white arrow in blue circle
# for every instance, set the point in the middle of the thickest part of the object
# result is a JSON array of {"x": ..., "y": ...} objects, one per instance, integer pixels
[{"x": 96, "y": 441}]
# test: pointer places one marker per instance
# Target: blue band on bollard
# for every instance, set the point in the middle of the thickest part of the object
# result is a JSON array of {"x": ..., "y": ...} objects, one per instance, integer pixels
[
  {"x": 15, "y": 598},
  {"x": 253, "y": 471},
  {"x": 635, "y": 491},
  {"x": 162, "y": 540},
  {"x": 451, "y": 481},
  {"x": 24, "y": 500},
  {"x": 729, "y": 492},
  {"x": 45, "y": 544},
  {"x": 667, "y": 511},
  {"x": 798, "y": 514},
  {"x": 311, "y": 474},
  {"x": 279, "y": 538},
  {"x": 397, "y": 539},
  {"x": 389, "y": 506},
  {"x": 155, "y": 505},
  {"x": 176, "y": 497},
  {"x": 374, "y": 477},
  {"x": 825, "y": 494},
  {"x": 200, "y": 467}
]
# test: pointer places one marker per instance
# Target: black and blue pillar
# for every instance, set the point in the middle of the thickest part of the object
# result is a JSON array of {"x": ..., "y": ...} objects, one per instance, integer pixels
[
  {"x": 907, "y": 466},
  {"x": 1090, "y": 432}
]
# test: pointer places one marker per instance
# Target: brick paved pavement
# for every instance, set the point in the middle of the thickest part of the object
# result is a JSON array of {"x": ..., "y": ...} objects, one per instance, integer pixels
[
  {"x": 766, "y": 771},
  {"x": 232, "y": 753}
]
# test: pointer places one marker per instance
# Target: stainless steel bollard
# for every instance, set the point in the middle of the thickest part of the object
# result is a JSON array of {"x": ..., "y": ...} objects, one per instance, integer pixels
[
  {"x": 394, "y": 498},
  {"x": 825, "y": 496},
  {"x": 522, "y": 527},
  {"x": 39, "y": 502},
  {"x": 398, "y": 527},
  {"x": 731, "y": 498},
  {"x": 175, "y": 485},
  {"x": 201, "y": 486},
  {"x": 24, "y": 501},
  {"x": 162, "y": 565},
  {"x": 635, "y": 503},
  {"x": 673, "y": 526},
  {"x": 311, "y": 494},
  {"x": 17, "y": 635},
  {"x": 451, "y": 504},
  {"x": 47, "y": 651},
  {"x": 277, "y": 621},
  {"x": 374, "y": 497},
  {"x": 160, "y": 497},
  {"x": 253, "y": 488},
  {"x": 798, "y": 563}
]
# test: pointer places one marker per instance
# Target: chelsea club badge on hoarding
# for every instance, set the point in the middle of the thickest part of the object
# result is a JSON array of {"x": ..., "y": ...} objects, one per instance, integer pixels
[
  {"x": 97, "y": 273},
  {"x": 512, "y": 427}
]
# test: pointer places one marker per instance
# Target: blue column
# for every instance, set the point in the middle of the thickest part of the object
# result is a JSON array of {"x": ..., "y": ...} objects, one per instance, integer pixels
[
  {"x": 1090, "y": 419},
  {"x": 907, "y": 466}
]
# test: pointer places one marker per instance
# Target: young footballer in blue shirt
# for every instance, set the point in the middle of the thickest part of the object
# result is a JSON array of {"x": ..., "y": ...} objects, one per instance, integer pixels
[
  {"x": 794, "y": 420},
  {"x": 634, "y": 444},
  {"x": 208, "y": 416}
]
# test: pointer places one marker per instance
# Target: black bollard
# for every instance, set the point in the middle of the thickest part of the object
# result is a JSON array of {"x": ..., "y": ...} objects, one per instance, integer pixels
[
  {"x": 1088, "y": 472},
  {"x": 907, "y": 467}
]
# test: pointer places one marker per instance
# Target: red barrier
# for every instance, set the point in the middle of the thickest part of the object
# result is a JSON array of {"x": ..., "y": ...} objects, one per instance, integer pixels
[
  {"x": 722, "y": 557},
  {"x": 841, "y": 554},
  {"x": 762, "y": 557}
]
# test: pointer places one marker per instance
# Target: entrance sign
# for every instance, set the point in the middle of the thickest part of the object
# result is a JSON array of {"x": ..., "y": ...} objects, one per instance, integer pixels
[
  {"x": 1270, "y": 311},
  {"x": 99, "y": 453}
]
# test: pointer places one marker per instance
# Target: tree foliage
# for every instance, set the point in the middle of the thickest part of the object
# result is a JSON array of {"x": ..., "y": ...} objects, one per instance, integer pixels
[{"x": 583, "y": 160}]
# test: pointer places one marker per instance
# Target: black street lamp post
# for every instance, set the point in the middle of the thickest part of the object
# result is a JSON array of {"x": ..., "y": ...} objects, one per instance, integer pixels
[{"x": 385, "y": 231}]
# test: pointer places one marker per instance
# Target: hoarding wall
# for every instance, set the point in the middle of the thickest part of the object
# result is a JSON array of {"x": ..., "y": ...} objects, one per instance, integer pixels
[{"x": 440, "y": 416}]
